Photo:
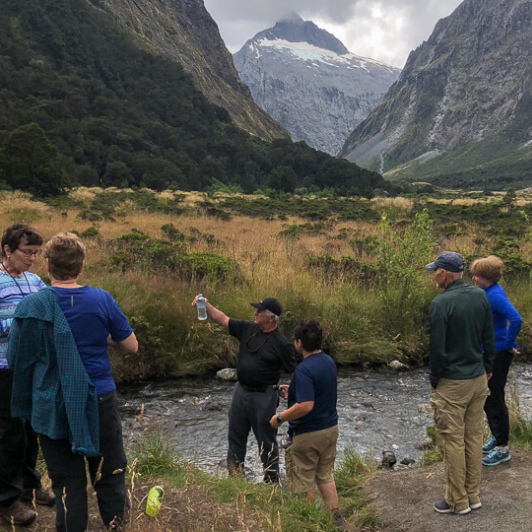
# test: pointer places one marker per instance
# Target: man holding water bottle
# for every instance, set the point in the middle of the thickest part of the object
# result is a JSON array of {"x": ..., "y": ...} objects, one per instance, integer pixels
[{"x": 263, "y": 352}]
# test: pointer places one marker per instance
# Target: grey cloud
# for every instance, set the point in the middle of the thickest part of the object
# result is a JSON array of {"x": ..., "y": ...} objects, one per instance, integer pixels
[{"x": 240, "y": 20}]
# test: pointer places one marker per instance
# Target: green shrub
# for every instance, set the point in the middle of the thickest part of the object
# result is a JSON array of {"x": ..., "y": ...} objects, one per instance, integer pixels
[
  {"x": 367, "y": 245},
  {"x": 91, "y": 232},
  {"x": 207, "y": 267},
  {"x": 89, "y": 215},
  {"x": 171, "y": 233},
  {"x": 137, "y": 251},
  {"x": 403, "y": 252},
  {"x": 346, "y": 268}
]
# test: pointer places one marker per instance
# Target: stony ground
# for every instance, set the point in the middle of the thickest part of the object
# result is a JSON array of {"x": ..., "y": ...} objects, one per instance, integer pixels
[{"x": 403, "y": 499}]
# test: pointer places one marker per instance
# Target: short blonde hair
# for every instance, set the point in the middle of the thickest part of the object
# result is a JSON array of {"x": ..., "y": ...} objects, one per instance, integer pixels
[
  {"x": 489, "y": 268},
  {"x": 65, "y": 253}
]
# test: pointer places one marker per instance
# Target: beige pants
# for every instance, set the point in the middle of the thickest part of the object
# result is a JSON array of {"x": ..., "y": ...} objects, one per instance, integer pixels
[{"x": 458, "y": 409}]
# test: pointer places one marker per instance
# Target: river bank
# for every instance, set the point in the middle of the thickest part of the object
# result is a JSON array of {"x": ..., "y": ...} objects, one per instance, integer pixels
[{"x": 378, "y": 411}]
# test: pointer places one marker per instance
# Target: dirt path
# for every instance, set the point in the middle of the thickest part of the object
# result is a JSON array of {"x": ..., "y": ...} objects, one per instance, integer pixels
[{"x": 403, "y": 499}]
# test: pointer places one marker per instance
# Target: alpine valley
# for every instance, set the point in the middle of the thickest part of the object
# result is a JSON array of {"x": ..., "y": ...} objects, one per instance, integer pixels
[
  {"x": 137, "y": 93},
  {"x": 460, "y": 114},
  {"x": 310, "y": 83}
]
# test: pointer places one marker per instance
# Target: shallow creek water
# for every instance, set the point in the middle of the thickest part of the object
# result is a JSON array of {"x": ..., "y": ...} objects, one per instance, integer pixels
[{"x": 378, "y": 411}]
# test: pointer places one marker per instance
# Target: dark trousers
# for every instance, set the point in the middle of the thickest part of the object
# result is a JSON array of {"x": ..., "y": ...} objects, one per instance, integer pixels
[
  {"x": 495, "y": 407},
  {"x": 69, "y": 477},
  {"x": 18, "y": 448},
  {"x": 252, "y": 410}
]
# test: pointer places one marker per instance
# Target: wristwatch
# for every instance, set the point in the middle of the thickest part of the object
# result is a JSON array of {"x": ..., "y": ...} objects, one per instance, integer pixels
[{"x": 280, "y": 420}]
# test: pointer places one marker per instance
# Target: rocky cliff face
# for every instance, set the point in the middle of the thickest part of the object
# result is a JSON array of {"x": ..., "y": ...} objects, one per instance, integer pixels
[
  {"x": 310, "y": 83},
  {"x": 184, "y": 30},
  {"x": 462, "y": 96}
]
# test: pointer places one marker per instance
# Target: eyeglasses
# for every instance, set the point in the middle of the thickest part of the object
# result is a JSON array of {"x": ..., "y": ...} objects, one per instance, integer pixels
[{"x": 29, "y": 253}]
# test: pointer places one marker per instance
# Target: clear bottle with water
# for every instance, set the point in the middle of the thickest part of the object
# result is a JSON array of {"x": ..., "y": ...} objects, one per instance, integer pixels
[{"x": 202, "y": 308}]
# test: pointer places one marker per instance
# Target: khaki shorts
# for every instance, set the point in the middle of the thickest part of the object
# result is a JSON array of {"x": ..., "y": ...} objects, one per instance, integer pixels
[{"x": 310, "y": 459}]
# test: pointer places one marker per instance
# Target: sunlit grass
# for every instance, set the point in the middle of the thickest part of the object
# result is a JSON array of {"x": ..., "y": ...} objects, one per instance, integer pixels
[
  {"x": 365, "y": 321},
  {"x": 272, "y": 507}
]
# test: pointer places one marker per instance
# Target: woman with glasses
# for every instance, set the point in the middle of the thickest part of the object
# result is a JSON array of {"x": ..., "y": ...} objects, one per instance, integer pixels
[
  {"x": 21, "y": 246},
  {"x": 63, "y": 382}
]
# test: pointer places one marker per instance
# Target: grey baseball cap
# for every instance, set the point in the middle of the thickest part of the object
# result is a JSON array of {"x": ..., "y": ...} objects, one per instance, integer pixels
[{"x": 449, "y": 260}]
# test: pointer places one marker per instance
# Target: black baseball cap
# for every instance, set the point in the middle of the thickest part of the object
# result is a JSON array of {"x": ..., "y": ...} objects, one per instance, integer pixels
[
  {"x": 271, "y": 304},
  {"x": 449, "y": 260}
]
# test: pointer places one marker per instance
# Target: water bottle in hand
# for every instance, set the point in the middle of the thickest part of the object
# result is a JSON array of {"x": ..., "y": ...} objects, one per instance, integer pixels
[{"x": 202, "y": 308}]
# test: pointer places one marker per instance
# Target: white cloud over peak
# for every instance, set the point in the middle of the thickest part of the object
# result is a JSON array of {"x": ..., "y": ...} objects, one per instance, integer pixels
[{"x": 384, "y": 30}]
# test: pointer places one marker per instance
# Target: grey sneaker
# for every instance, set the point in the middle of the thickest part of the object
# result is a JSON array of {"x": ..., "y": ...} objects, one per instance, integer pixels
[
  {"x": 443, "y": 508},
  {"x": 17, "y": 514}
]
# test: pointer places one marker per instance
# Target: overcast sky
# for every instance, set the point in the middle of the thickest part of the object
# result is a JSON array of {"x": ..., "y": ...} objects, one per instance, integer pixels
[{"x": 386, "y": 30}]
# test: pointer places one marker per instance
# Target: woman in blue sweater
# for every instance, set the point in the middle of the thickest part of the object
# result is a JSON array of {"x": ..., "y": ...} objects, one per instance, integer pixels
[{"x": 507, "y": 322}]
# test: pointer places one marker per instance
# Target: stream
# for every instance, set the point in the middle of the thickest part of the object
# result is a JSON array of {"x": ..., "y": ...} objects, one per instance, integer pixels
[{"x": 378, "y": 411}]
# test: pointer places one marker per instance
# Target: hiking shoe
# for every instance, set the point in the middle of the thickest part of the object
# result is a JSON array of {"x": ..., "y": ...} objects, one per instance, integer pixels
[
  {"x": 489, "y": 446},
  {"x": 443, "y": 508},
  {"x": 17, "y": 514},
  {"x": 43, "y": 496},
  {"x": 496, "y": 457},
  {"x": 475, "y": 506}
]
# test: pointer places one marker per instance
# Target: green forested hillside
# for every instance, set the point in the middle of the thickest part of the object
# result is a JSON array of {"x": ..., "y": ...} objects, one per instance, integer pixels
[{"x": 118, "y": 115}]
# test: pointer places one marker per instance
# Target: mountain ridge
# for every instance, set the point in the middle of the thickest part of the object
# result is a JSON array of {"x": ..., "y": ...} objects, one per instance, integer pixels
[
  {"x": 462, "y": 92},
  {"x": 310, "y": 83},
  {"x": 83, "y": 97},
  {"x": 184, "y": 31}
]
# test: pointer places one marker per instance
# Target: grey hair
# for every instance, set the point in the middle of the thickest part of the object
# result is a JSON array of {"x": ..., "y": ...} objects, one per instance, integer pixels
[{"x": 270, "y": 313}]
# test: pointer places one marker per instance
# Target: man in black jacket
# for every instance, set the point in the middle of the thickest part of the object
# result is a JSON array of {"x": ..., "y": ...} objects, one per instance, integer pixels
[{"x": 462, "y": 349}]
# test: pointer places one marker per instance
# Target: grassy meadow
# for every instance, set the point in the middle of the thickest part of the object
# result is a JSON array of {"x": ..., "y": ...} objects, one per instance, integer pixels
[{"x": 356, "y": 265}]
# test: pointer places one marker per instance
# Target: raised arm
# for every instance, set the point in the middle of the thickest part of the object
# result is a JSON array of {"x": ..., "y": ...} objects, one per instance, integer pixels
[{"x": 214, "y": 314}]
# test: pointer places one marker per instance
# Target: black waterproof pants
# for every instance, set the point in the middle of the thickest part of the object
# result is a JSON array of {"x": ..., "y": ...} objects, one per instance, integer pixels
[
  {"x": 69, "y": 478},
  {"x": 495, "y": 407},
  {"x": 18, "y": 448}
]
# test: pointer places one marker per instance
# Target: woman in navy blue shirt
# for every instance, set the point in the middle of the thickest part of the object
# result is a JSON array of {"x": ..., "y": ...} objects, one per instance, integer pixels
[
  {"x": 96, "y": 322},
  {"x": 507, "y": 322}
]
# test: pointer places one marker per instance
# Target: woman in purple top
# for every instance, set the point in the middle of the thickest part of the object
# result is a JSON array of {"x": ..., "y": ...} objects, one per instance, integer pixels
[{"x": 507, "y": 322}]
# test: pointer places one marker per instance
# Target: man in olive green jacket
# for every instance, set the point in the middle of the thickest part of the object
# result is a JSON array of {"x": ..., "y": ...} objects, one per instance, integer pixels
[{"x": 462, "y": 349}]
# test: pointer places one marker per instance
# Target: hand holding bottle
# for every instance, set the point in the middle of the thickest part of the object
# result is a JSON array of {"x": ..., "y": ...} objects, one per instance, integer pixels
[{"x": 201, "y": 304}]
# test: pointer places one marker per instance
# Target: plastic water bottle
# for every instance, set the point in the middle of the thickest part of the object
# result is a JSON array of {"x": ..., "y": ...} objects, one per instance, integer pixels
[
  {"x": 202, "y": 308},
  {"x": 155, "y": 500}
]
